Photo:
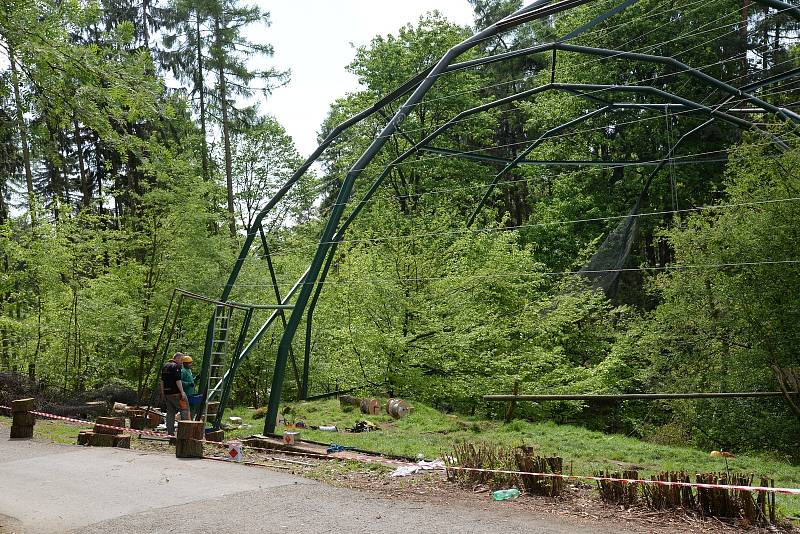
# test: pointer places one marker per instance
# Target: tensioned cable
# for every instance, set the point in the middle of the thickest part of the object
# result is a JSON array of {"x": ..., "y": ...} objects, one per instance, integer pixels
[
  {"x": 537, "y": 274},
  {"x": 525, "y": 142},
  {"x": 463, "y": 231},
  {"x": 733, "y": 58},
  {"x": 481, "y": 186}
]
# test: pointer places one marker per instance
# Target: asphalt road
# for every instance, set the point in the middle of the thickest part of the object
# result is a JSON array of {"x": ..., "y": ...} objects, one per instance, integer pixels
[{"x": 57, "y": 488}]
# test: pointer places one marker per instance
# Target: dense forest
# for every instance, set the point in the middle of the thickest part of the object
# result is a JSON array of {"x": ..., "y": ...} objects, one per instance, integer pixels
[{"x": 131, "y": 163}]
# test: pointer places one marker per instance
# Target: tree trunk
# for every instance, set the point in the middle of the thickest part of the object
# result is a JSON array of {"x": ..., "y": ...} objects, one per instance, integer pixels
[
  {"x": 200, "y": 84},
  {"x": 23, "y": 133},
  {"x": 86, "y": 189},
  {"x": 223, "y": 97}
]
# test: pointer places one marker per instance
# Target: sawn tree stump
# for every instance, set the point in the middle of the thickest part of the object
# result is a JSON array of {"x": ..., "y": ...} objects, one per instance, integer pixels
[
  {"x": 21, "y": 420},
  {"x": 190, "y": 439}
]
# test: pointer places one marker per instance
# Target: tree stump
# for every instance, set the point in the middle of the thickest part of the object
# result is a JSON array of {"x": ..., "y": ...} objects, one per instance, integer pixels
[
  {"x": 22, "y": 420},
  {"x": 370, "y": 406},
  {"x": 138, "y": 422},
  {"x": 101, "y": 440},
  {"x": 189, "y": 442},
  {"x": 110, "y": 421},
  {"x": 349, "y": 400},
  {"x": 216, "y": 436},
  {"x": 83, "y": 437}
]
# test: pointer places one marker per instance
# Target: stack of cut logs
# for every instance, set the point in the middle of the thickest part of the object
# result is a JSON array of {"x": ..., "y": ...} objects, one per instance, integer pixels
[
  {"x": 397, "y": 408},
  {"x": 102, "y": 436},
  {"x": 22, "y": 420}
]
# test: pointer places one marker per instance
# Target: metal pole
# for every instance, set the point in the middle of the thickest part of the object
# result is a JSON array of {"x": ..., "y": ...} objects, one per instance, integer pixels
[{"x": 631, "y": 396}]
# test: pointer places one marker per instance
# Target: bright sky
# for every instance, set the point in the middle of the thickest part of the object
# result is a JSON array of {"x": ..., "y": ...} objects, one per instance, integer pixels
[{"x": 316, "y": 40}]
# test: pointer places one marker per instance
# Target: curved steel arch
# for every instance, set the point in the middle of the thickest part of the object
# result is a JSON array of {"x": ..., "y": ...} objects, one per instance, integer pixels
[{"x": 418, "y": 86}]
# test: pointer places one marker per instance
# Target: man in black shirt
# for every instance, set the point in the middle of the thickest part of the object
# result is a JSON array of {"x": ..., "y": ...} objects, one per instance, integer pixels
[{"x": 172, "y": 390}]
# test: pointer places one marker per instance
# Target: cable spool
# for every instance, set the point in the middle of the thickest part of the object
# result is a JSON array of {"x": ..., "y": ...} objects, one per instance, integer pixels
[
  {"x": 398, "y": 408},
  {"x": 370, "y": 406}
]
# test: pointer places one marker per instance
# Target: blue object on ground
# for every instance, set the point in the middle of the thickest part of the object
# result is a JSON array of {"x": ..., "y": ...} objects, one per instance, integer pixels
[{"x": 335, "y": 447}]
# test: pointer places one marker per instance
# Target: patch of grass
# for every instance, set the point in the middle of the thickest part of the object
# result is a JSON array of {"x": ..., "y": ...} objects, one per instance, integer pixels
[
  {"x": 431, "y": 433},
  {"x": 53, "y": 431}
]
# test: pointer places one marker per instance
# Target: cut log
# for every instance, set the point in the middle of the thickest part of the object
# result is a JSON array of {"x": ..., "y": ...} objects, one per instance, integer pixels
[
  {"x": 23, "y": 419},
  {"x": 101, "y": 440},
  {"x": 370, "y": 406},
  {"x": 110, "y": 421},
  {"x": 138, "y": 422},
  {"x": 213, "y": 407},
  {"x": 97, "y": 407},
  {"x": 398, "y": 408},
  {"x": 349, "y": 400},
  {"x": 215, "y": 435},
  {"x": 123, "y": 441},
  {"x": 189, "y": 442},
  {"x": 83, "y": 437},
  {"x": 21, "y": 432},
  {"x": 153, "y": 419},
  {"x": 23, "y": 405}
]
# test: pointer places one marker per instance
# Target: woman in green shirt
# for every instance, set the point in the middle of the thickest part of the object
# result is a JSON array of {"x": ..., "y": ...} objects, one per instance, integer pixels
[{"x": 188, "y": 379}]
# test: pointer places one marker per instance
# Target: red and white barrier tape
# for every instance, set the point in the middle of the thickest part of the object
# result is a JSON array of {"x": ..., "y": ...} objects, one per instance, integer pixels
[
  {"x": 83, "y": 422},
  {"x": 364, "y": 458}
]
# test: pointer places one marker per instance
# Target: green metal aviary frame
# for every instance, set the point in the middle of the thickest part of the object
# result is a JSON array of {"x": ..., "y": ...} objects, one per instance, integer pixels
[{"x": 306, "y": 291}]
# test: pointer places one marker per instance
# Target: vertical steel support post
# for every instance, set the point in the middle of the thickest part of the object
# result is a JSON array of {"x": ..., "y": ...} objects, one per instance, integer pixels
[{"x": 523, "y": 15}]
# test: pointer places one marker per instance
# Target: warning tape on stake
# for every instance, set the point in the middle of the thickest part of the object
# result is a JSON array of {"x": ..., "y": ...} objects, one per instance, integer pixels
[{"x": 366, "y": 459}]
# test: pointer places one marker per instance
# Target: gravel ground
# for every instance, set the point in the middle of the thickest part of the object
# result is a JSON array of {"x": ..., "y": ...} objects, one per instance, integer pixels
[{"x": 55, "y": 488}]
